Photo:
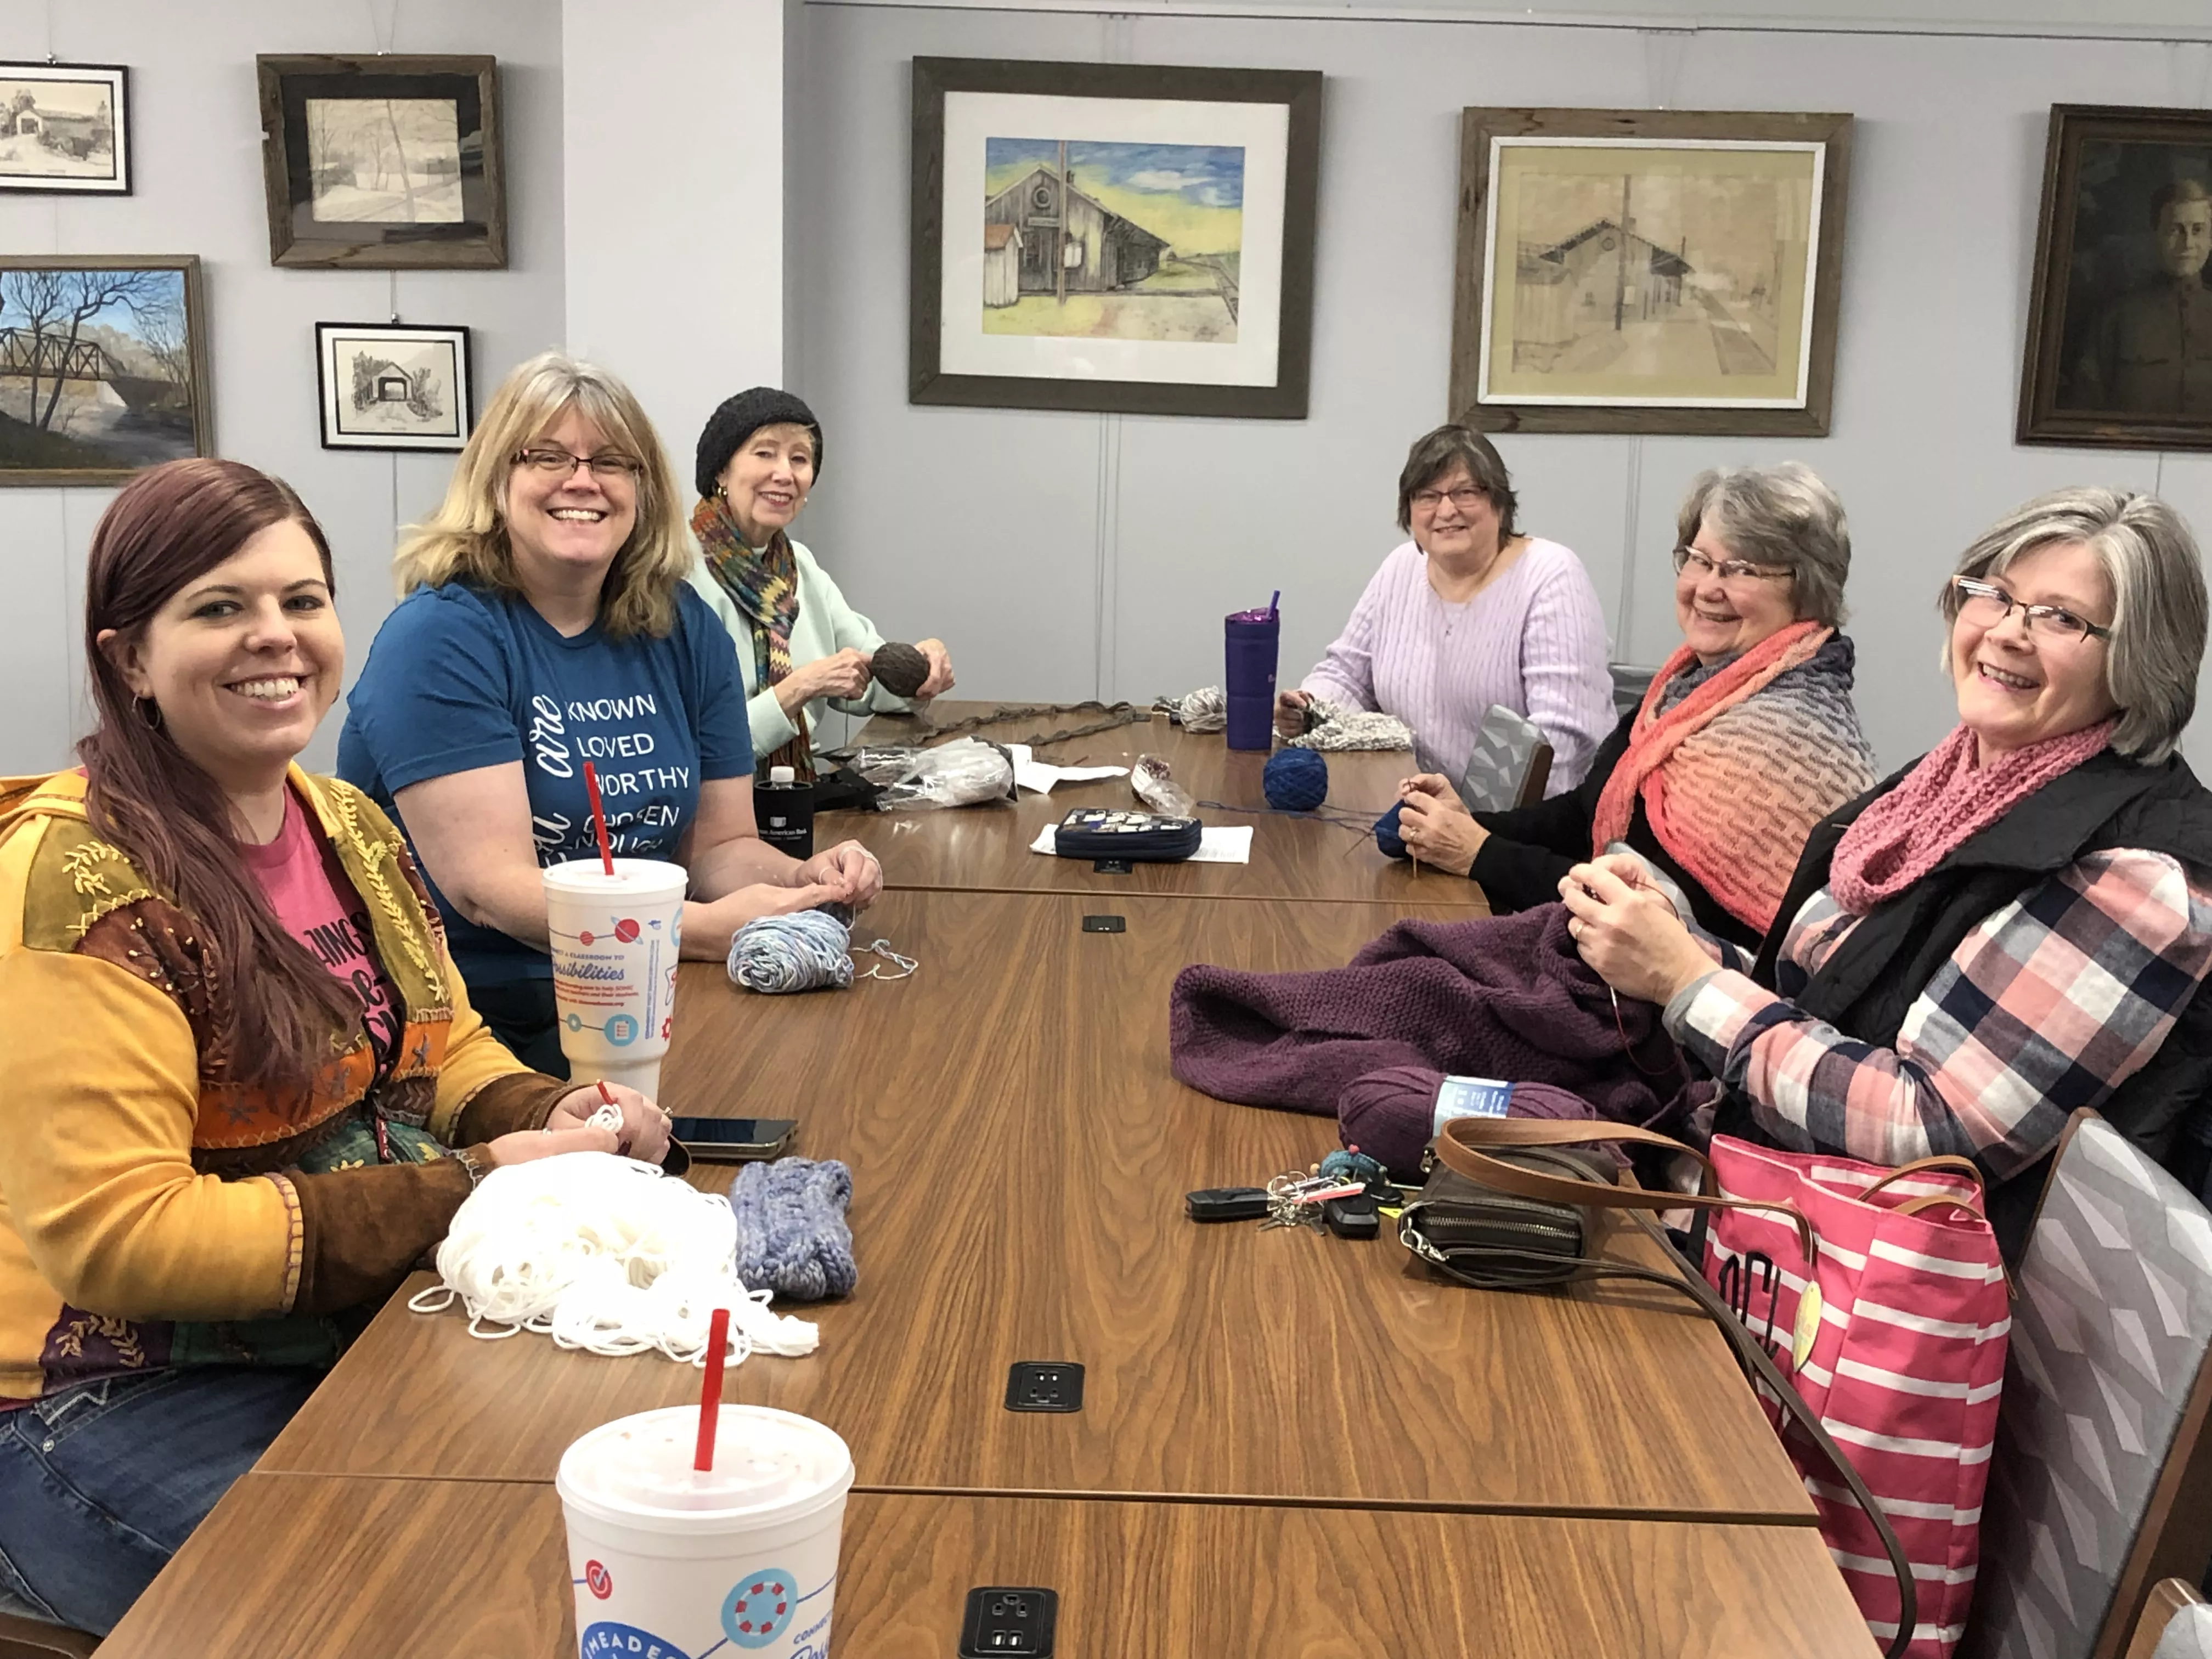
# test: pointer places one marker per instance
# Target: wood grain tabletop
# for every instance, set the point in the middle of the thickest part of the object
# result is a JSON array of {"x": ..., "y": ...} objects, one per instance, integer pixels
[
  {"x": 366, "y": 1568},
  {"x": 1019, "y": 1154}
]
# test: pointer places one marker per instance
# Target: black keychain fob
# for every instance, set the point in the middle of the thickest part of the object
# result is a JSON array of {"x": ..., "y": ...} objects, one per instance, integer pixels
[{"x": 1226, "y": 1204}]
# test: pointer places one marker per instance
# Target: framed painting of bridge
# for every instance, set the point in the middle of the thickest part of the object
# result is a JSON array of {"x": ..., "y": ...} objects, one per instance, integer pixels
[
  {"x": 65, "y": 127},
  {"x": 1648, "y": 270},
  {"x": 1125, "y": 238},
  {"x": 383, "y": 163},
  {"x": 394, "y": 385},
  {"x": 103, "y": 367}
]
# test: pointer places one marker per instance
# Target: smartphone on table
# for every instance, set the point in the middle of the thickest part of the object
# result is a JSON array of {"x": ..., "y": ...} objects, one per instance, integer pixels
[{"x": 732, "y": 1140}]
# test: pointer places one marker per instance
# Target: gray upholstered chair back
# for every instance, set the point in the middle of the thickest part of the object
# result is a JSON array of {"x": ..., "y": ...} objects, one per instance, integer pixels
[
  {"x": 2188, "y": 1635},
  {"x": 1509, "y": 765},
  {"x": 1629, "y": 682},
  {"x": 2091, "y": 1491}
]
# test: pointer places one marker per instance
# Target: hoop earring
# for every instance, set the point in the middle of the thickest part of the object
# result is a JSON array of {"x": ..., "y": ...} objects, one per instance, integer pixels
[{"x": 149, "y": 711}]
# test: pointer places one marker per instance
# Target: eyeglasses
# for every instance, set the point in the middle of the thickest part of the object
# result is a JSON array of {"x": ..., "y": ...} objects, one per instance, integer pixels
[
  {"x": 1428, "y": 501},
  {"x": 1695, "y": 565},
  {"x": 1989, "y": 605},
  {"x": 555, "y": 461}
]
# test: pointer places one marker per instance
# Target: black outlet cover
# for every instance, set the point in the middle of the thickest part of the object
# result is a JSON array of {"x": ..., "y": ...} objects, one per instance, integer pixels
[
  {"x": 1009, "y": 1623},
  {"x": 1105, "y": 925},
  {"x": 1044, "y": 1385},
  {"x": 1109, "y": 866}
]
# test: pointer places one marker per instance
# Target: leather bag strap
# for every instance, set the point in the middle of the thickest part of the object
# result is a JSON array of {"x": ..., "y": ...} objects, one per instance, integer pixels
[{"x": 1948, "y": 1163}]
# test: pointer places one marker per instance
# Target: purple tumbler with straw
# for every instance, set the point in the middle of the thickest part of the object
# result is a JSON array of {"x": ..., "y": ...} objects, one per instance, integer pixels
[{"x": 1252, "y": 637}]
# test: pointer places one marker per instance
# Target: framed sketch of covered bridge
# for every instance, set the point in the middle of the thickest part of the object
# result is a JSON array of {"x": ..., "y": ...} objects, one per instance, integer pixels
[
  {"x": 1113, "y": 237},
  {"x": 1648, "y": 270}
]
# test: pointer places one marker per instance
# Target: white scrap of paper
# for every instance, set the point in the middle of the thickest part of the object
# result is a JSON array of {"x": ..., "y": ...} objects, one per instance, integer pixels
[
  {"x": 1040, "y": 775},
  {"x": 1230, "y": 844}
]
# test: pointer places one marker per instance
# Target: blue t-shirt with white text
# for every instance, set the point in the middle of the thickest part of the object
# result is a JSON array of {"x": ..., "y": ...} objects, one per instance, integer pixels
[{"x": 461, "y": 677}]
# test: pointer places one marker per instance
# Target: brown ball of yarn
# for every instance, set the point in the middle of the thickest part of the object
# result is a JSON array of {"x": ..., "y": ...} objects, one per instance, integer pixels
[{"x": 899, "y": 669}]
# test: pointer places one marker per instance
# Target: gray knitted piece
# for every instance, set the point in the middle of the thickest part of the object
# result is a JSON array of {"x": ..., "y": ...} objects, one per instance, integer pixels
[
  {"x": 792, "y": 1238},
  {"x": 1333, "y": 727},
  {"x": 1206, "y": 709}
]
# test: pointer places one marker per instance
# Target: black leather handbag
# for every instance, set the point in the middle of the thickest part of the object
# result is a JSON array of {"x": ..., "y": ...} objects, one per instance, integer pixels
[{"x": 1494, "y": 1240}]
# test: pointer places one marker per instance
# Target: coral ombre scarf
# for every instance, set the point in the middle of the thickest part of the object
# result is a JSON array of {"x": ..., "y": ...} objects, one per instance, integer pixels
[
  {"x": 1942, "y": 802},
  {"x": 1733, "y": 777}
]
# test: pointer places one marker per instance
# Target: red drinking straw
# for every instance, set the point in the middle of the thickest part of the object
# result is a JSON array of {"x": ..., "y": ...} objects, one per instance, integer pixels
[
  {"x": 710, "y": 1392},
  {"x": 598, "y": 816}
]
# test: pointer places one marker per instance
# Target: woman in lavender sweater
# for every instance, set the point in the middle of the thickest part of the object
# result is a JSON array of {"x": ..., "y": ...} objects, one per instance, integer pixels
[{"x": 1469, "y": 613}]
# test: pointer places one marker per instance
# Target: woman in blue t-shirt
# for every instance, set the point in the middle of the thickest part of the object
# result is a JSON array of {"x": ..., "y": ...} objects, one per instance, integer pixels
[{"x": 546, "y": 622}]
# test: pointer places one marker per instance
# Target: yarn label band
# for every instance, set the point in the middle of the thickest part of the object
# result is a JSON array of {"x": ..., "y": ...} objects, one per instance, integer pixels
[{"x": 1469, "y": 1097}]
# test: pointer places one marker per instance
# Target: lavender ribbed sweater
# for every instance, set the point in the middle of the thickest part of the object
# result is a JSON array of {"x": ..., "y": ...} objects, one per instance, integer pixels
[{"x": 1534, "y": 640}]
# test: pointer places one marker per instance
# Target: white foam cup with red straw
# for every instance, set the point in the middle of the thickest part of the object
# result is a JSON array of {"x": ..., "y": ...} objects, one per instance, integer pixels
[
  {"x": 615, "y": 926},
  {"x": 694, "y": 1531}
]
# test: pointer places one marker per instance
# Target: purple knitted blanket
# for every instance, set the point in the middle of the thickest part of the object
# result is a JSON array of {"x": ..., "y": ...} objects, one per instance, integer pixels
[{"x": 1500, "y": 996}]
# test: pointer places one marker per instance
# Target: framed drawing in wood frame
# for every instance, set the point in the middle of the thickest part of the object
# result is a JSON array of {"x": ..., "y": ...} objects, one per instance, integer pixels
[
  {"x": 383, "y": 163},
  {"x": 2119, "y": 322},
  {"x": 1649, "y": 270},
  {"x": 65, "y": 127},
  {"x": 103, "y": 366},
  {"x": 394, "y": 385},
  {"x": 1125, "y": 238}
]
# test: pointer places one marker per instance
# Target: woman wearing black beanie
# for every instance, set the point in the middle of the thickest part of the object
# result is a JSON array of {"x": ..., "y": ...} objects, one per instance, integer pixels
[{"x": 798, "y": 642}]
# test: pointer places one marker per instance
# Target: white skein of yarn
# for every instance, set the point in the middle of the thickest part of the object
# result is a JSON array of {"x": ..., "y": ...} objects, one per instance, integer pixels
[{"x": 605, "y": 1254}]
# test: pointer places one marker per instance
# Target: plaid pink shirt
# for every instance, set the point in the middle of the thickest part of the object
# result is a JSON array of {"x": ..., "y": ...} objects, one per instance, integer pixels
[{"x": 2051, "y": 1003}]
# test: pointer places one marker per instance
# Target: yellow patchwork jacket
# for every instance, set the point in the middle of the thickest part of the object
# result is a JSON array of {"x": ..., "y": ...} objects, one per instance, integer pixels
[{"x": 154, "y": 1213}]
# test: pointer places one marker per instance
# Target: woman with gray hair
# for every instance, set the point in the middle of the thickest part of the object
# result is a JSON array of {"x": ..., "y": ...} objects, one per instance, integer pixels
[
  {"x": 2014, "y": 926},
  {"x": 1746, "y": 738},
  {"x": 1468, "y": 613}
]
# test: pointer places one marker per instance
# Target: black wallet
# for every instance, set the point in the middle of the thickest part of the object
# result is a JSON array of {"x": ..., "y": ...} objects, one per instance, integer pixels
[
  {"x": 1495, "y": 1241},
  {"x": 1099, "y": 832}
]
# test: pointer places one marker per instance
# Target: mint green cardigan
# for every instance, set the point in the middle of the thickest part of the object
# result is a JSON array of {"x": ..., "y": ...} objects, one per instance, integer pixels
[{"x": 825, "y": 626}]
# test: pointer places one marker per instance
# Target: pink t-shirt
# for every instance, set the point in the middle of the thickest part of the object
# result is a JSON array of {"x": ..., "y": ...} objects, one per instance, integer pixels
[{"x": 330, "y": 919}]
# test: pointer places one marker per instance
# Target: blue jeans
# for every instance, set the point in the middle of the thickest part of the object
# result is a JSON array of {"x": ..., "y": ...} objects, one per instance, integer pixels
[{"x": 101, "y": 1483}]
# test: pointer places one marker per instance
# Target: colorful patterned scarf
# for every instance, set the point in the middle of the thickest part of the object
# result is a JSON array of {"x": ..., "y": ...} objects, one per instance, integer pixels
[
  {"x": 764, "y": 585},
  {"x": 1943, "y": 801},
  {"x": 1733, "y": 777}
]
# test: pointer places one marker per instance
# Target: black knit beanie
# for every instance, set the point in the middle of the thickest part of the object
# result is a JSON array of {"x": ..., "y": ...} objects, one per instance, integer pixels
[{"x": 738, "y": 418}]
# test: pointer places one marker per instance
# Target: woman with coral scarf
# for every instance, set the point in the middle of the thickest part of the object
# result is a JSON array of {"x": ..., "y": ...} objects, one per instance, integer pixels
[
  {"x": 1747, "y": 737},
  {"x": 2012, "y": 928}
]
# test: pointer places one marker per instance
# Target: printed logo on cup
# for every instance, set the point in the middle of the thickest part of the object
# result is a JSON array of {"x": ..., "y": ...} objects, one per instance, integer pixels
[
  {"x": 598, "y": 1580},
  {"x": 759, "y": 1608},
  {"x": 612, "y": 1640}
]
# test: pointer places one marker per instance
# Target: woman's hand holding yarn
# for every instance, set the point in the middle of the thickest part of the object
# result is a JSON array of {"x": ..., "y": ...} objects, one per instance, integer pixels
[
  {"x": 848, "y": 871},
  {"x": 1437, "y": 788},
  {"x": 940, "y": 670},
  {"x": 528, "y": 1146},
  {"x": 840, "y": 674},
  {"x": 1290, "y": 712},
  {"x": 1630, "y": 934},
  {"x": 644, "y": 1132},
  {"x": 1436, "y": 835}
]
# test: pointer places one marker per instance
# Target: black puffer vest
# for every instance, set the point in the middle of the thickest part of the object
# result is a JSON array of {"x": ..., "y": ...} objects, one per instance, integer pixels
[{"x": 1866, "y": 987}]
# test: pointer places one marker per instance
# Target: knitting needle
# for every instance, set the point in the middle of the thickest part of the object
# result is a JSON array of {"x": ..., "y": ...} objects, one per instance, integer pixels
[{"x": 710, "y": 1391}]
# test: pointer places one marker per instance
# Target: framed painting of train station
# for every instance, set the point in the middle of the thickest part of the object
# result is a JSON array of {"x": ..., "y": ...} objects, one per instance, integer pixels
[
  {"x": 1116, "y": 237},
  {"x": 103, "y": 367},
  {"x": 1648, "y": 270}
]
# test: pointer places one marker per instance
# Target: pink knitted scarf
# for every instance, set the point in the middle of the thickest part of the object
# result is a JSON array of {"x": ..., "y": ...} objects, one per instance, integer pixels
[{"x": 1942, "y": 802}]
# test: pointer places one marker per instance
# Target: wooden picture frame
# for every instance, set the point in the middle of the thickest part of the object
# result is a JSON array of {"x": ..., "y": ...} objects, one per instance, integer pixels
[
  {"x": 2119, "y": 352},
  {"x": 103, "y": 366},
  {"x": 383, "y": 163},
  {"x": 1718, "y": 322},
  {"x": 394, "y": 387},
  {"x": 1035, "y": 280},
  {"x": 65, "y": 128}
]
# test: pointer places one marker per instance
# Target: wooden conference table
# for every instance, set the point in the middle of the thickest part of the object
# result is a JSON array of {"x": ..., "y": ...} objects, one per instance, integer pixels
[{"x": 1288, "y": 1442}]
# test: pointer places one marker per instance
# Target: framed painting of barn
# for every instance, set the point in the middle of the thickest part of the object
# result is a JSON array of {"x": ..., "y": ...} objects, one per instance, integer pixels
[
  {"x": 65, "y": 127},
  {"x": 103, "y": 366},
  {"x": 1648, "y": 270},
  {"x": 383, "y": 163},
  {"x": 1132, "y": 239}
]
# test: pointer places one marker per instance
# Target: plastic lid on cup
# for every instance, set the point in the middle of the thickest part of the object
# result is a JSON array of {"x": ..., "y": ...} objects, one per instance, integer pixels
[
  {"x": 771, "y": 1467},
  {"x": 781, "y": 775},
  {"x": 635, "y": 878}
]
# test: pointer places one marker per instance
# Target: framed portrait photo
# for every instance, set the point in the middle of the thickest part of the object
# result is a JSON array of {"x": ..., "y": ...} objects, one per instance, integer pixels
[
  {"x": 394, "y": 386},
  {"x": 1115, "y": 237},
  {"x": 1648, "y": 270},
  {"x": 103, "y": 366},
  {"x": 383, "y": 162},
  {"x": 2119, "y": 323},
  {"x": 65, "y": 127}
]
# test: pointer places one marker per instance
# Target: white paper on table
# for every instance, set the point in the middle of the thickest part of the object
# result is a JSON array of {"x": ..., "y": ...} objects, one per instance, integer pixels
[
  {"x": 1230, "y": 844},
  {"x": 1040, "y": 775}
]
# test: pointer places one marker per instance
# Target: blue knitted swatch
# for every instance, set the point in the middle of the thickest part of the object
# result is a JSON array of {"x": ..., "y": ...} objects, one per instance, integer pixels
[{"x": 792, "y": 1238}]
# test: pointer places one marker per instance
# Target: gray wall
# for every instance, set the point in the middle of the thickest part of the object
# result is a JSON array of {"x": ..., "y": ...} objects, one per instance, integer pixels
[
  {"x": 196, "y": 159},
  {"x": 1071, "y": 554}
]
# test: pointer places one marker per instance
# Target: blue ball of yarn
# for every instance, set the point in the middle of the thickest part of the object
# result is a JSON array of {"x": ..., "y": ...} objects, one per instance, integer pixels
[
  {"x": 1296, "y": 779},
  {"x": 1386, "y": 834}
]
